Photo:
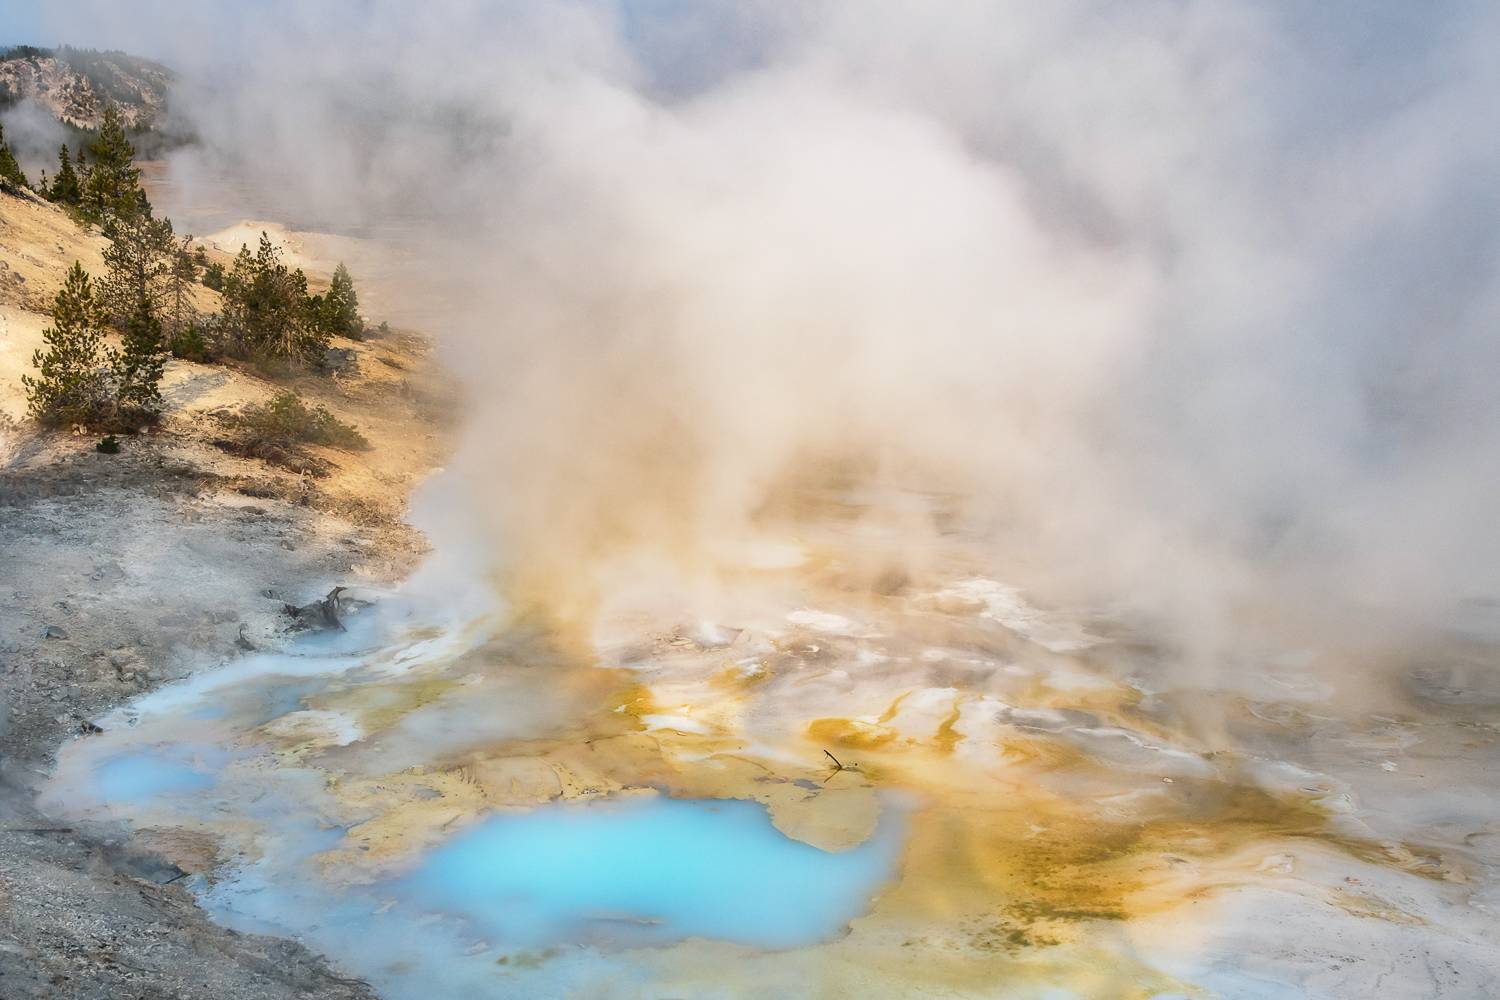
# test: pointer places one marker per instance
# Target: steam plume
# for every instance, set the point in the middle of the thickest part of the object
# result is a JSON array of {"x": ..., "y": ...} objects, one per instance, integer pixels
[{"x": 1194, "y": 305}]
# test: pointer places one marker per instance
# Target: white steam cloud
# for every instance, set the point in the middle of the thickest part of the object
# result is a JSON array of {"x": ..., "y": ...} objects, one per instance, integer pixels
[
  {"x": 34, "y": 136},
  {"x": 1193, "y": 304}
]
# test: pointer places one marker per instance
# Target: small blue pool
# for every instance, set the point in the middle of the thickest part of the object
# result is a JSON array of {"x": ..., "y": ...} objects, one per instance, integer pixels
[
  {"x": 650, "y": 870},
  {"x": 136, "y": 776}
]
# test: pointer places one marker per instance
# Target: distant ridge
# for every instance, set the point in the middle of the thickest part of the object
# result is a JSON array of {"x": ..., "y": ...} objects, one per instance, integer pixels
[{"x": 74, "y": 84}]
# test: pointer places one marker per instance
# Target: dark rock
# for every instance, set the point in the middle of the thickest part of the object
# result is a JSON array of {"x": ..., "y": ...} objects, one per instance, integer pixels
[
  {"x": 343, "y": 360},
  {"x": 325, "y": 614}
]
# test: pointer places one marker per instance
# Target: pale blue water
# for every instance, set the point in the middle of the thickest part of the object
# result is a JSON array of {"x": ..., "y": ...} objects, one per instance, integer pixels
[
  {"x": 136, "y": 776},
  {"x": 649, "y": 870}
]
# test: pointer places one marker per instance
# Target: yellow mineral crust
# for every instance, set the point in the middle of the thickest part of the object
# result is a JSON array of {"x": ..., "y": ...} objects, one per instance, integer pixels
[{"x": 1033, "y": 857}]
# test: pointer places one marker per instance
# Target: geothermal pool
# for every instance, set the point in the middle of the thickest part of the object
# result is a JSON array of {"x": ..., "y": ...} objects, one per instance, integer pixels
[
  {"x": 134, "y": 777},
  {"x": 647, "y": 870},
  {"x": 635, "y": 870},
  {"x": 1032, "y": 805}
]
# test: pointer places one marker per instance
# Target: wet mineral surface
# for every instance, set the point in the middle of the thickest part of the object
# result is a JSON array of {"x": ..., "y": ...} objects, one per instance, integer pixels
[{"x": 825, "y": 790}]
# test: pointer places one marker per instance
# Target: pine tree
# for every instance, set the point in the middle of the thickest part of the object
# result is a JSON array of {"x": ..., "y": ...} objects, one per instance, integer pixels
[
  {"x": 65, "y": 188},
  {"x": 240, "y": 277},
  {"x": 180, "y": 311},
  {"x": 190, "y": 344},
  {"x": 139, "y": 365},
  {"x": 72, "y": 381},
  {"x": 113, "y": 186},
  {"x": 339, "y": 308},
  {"x": 140, "y": 257},
  {"x": 265, "y": 308},
  {"x": 11, "y": 177}
]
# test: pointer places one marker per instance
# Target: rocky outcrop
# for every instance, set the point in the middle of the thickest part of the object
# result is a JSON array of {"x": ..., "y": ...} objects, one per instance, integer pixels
[{"x": 75, "y": 84}]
